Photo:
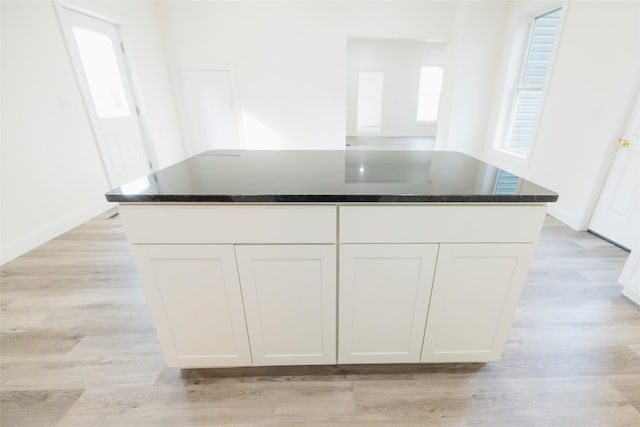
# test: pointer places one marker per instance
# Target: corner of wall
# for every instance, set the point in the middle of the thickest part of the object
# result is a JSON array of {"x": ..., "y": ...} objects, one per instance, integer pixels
[
  {"x": 12, "y": 250},
  {"x": 574, "y": 221}
]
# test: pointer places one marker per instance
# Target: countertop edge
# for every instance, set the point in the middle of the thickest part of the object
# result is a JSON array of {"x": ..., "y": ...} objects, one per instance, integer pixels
[{"x": 319, "y": 198}]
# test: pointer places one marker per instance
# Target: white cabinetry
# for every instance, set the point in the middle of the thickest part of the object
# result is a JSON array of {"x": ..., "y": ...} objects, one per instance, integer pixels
[
  {"x": 384, "y": 298},
  {"x": 475, "y": 293},
  {"x": 194, "y": 295},
  {"x": 289, "y": 294},
  {"x": 476, "y": 287},
  {"x": 242, "y": 285},
  {"x": 207, "y": 268}
]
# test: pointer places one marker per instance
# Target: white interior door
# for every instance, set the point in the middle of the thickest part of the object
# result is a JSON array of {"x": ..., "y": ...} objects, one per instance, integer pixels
[
  {"x": 208, "y": 110},
  {"x": 617, "y": 215},
  {"x": 97, "y": 55}
]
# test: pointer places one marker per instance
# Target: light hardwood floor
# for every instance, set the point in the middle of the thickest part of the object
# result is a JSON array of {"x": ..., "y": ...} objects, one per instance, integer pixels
[{"x": 78, "y": 348}]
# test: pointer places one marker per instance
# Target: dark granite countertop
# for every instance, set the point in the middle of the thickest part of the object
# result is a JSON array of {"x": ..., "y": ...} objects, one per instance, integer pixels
[{"x": 341, "y": 176}]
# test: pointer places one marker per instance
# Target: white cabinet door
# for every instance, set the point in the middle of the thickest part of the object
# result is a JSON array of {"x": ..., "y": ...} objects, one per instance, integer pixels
[
  {"x": 194, "y": 295},
  {"x": 475, "y": 292},
  {"x": 384, "y": 298},
  {"x": 289, "y": 293}
]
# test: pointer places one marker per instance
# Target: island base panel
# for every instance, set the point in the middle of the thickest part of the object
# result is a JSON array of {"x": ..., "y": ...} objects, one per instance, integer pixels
[{"x": 325, "y": 284}]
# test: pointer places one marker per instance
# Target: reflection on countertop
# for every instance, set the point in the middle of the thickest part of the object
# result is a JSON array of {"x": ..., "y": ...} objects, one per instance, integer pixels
[{"x": 338, "y": 176}]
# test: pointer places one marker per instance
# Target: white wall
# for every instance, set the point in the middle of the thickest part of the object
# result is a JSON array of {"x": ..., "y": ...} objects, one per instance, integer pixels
[
  {"x": 593, "y": 84},
  {"x": 473, "y": 60},
  {"x": 400, "y": 61},
  {"x": 289, "y": 62},
  {"x": 51, "y": 176}
]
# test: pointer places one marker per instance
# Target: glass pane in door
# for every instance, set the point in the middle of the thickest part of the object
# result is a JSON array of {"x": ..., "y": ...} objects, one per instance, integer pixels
[{"x": 103, "y": 74}]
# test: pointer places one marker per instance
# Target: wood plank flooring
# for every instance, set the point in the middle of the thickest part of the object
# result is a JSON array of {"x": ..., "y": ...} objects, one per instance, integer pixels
[{"x": 78, "y": 348}]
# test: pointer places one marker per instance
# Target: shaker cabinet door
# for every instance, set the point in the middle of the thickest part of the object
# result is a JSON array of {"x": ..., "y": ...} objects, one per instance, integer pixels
[
  {"x": 195, "y": 299},
  {"x": 384, "y": 298},
  {"x": 475, "y": 292},
  {"x": 289, "y": 294}
]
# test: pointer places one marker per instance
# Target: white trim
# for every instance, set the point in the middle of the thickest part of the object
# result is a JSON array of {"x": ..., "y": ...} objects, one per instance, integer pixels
[
  {"x": 136, "y": 89},
  {"x": 513, "y": 156},
  {"x": 68, "y": 38},
  {"x": 502, "y": 144},
  {"x": 33, "y": 239},
  {"x": 547, "y": 84},
  {"x": 89, "y": 9}
]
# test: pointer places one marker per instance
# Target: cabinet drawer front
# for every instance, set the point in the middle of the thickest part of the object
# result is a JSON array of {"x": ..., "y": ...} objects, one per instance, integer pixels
[
  {"x": 440, "y": 224},
  {"x": 229, "y": 224}
]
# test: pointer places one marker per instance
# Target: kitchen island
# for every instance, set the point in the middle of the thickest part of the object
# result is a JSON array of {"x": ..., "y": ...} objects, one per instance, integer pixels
[{"x": 257, "y": 258}]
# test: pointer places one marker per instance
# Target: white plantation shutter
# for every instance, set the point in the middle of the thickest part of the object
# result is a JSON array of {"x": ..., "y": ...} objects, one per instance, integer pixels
[
  {"x": 528, "y": 99},
  {"x": 540, "y": 49},
  {"x": 506, "y": 183}
]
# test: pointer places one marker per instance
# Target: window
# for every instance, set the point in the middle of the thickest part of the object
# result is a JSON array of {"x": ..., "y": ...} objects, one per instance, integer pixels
[
  {"x": 370, "y": 86},
  {"x": 525, "y": 110},
  {"x": 506, "y": 183},
  {"x": 103, "y": 73},
  {"x": 429, "y": 93}
]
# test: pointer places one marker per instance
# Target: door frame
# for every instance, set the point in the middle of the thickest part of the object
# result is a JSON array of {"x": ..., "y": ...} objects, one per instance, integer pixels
[
  {"x": 180, "y": 101},
  {"x": 105, "y": 15}
]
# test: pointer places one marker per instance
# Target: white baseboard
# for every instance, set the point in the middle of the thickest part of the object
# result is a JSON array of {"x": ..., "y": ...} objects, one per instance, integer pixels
[
  {"x": 632, "y": 295},
  {"x": 32, "y": 240}
]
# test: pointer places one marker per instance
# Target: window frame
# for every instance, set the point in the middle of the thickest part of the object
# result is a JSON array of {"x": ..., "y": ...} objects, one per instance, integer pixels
[{"x": 502, "y": 144}]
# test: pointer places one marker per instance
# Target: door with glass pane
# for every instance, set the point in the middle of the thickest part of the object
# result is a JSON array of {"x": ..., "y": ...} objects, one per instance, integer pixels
[{"x": 97, "y": 55}]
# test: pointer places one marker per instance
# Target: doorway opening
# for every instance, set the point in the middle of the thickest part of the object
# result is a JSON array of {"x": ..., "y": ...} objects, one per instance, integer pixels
[{"x": 394, "y": 91}]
